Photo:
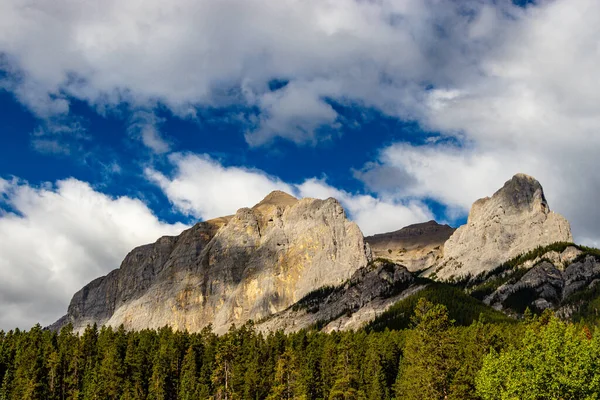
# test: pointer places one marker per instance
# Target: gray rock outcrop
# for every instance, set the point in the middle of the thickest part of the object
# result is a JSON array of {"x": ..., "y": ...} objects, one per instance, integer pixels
[
  {"x": 228, "y": 270},
  {"x": 368, "y": 293},
  {"x": 514, "y": 220},
  {"x": 417, "y": 246},
  {"x": 546, "y": 285}
]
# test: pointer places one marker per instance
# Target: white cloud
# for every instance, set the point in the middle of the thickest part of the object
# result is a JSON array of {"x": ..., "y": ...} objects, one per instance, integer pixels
[
  {"x": 145, "y": 127},
  {"x": 202, "y": 187},
  {"x": 527, "y": 106},
  {"x": 202, "y": 52},
  {"x": 294, "y": 113},
  {"x": 373, "y": 215},
  {"x": 57, "y": 239}
]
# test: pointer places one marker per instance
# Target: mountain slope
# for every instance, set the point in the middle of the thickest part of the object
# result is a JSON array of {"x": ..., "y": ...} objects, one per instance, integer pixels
[{"x": 229, "y": 270}]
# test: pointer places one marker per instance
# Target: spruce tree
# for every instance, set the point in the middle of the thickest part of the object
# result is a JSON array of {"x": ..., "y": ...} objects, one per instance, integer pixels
[
  {"x": 429, "y": 361},
  {"x": 222, "y": 375},
  {"x": 188, "y": 383},
  {"x": 287, "y": 384},
  {"x": 346, "y": 384}
]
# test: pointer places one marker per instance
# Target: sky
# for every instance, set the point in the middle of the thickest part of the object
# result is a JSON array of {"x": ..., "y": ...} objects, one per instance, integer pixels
[{"x": 122, "y": 120}]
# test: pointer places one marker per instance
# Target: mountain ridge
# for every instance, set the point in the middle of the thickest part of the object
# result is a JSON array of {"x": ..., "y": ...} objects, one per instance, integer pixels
[
  {"x": 258, "y": 263},
  {"x": 227, "y": 270}
]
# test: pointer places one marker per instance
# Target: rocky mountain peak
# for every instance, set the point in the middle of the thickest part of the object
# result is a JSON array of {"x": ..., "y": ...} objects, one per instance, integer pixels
[
  {"x": 276, "y": 198},
  {"x": 514, "y": 220},
  {"x": 227, "y": 270},
  {"x": 521, "y": 193}
]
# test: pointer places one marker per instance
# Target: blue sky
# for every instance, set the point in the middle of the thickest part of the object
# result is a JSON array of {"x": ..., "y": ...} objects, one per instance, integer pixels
[{"x": 123, "y": 121}]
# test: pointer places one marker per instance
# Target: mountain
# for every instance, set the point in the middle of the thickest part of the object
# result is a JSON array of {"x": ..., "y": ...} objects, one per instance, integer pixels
[
  {"x": 369, "y": 292},
  {"x": 563, "y": 277},
  {"x": 291, "y": 264},
  {"x": 228, "y": 270},
  {"x": 417, "y": 246},
  {"x": 515, "y": 219}
]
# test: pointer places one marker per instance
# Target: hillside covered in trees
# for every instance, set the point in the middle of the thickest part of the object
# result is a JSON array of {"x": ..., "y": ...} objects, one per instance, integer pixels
[{"x": 540, "y": 357}]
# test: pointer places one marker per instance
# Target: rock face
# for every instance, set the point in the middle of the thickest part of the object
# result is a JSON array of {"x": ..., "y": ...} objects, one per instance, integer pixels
[
  {"x": 514, "y": 220},
  {"x": 547, "y": 285},
  {"x": 228, "y": 270},
  {"x": 368, "y": 293},
  {"x": 417, "y": 246}
]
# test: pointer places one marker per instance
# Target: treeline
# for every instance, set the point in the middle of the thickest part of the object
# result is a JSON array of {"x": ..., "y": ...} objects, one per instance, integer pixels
[{"x": 540, "y": 358}]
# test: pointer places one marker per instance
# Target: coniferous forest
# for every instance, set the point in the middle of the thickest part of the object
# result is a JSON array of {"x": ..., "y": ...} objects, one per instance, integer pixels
[{"x": 539, "y": 357}]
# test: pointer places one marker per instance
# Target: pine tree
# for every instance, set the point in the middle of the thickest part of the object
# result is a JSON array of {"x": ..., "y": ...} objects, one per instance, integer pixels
[
  {"x": 222, "y": 375},
  {"x": 188, "y": 383},
  {"x": 54, "y": 375},
  {"x": 374, "y": 375},
  {"x": 158, "y": 388},
  {"x": 69, "y": 354},
  {"x": 429, "y": 360},
  {"x": 346, "y": 373},
  {"x": 5, "y": 386},
  {"x": 287, "y": 384},
  {"x": 111, "y": 373},
  {"x": 29, "y": 376}
]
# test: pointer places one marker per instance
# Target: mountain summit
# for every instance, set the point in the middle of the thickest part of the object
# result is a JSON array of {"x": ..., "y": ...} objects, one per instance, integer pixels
[
  {"x": 293, "y": 263},
  {"x": 276, "y": 198},
  {"x": 228, "y": 270},
  {"x": 515, "y": 219}
]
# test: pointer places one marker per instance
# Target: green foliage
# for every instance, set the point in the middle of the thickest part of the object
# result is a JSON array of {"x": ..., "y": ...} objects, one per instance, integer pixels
[
  {"x": 555, "y": 360},
  {"x": 462, "y": 308},
  {"x": 429, "y": 355},
  {"x": 587, "y": 303},
  {"x": 435, "y": 358}
]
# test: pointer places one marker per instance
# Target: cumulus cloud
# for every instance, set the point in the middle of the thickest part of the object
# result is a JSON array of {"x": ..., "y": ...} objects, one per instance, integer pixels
[
  {"x": 373, "y": 215},
  {"x": 294, "y": 113},
  {"x": 203, "y": 188},
  {"x": 529, "y": 109},
  {"x": 200, "y": 186},
  {"x": 380, "y": 54},
  {"x": 55, "y": 238}
]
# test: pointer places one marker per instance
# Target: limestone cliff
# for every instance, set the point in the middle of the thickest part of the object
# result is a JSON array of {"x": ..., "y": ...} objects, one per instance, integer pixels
[
  {"x": 229, "y": 270},
  {"x": 417, "y": 246},
  {"x": 514, "y": 220}
]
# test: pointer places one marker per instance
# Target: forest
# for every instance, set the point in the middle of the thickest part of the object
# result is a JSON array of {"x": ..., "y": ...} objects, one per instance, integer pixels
[{"x": 538, "y": 357}]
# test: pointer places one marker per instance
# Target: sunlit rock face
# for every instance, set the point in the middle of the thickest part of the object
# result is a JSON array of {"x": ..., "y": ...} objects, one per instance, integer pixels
[
  {"x": 515, "y": 219},
  {"x": 228, "y": 270}
]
